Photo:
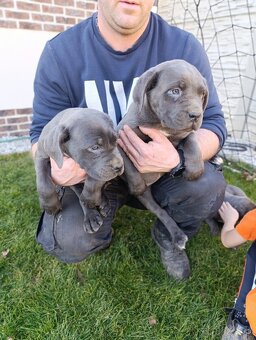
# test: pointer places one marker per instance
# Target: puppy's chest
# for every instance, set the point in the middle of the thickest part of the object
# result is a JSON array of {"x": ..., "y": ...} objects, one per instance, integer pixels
[{"x": 150, "y": 178}]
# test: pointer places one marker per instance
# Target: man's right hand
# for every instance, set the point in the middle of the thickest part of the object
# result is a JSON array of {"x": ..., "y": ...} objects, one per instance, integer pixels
[{"x": 69, "y": 174}]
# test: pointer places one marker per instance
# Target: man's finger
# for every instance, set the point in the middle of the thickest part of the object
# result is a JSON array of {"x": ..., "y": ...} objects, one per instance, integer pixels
[
  {"x": 134, "y": 140},
  {"x": 126, "y": 145}
]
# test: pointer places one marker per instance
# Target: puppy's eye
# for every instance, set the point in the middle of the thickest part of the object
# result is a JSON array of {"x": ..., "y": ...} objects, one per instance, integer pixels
[
  {"x": 95, "y": 147},
  {"x": 174, "y": 93}
]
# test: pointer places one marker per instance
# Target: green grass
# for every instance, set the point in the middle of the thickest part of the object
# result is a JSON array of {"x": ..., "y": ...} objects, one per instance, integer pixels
[{"x": 115, "y": 293}]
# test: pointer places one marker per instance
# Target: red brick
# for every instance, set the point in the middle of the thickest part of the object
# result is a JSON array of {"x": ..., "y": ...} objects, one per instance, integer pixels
[
  {"x": 30, "y": 26},
  {"x": 54, "y": 28},
  {"x": 6, "y": 3},
  {"x": 2, "y": 121},
  {"x": 65, "y": 20},
  {"x": 91, "y": 6},
  {"x": 24, "y": 111},
  {"x": 52, "y": 9},
  {"x": 17, "y": 120},
  {"x": 87, "y": 5},
  {"x": 28, "y": 6},
  {"x": 8, "y": 24},
  {"x": 81, "y": 4},
  {"x": 42, "y": 17},
  {"x": 4, "y": 113},
  {"x": 18, "y": 134},
  {"x": 8, "y": 128},
  {"x": 24, "y": 127},
  {"x": 43, "y": 1},
  {"x": 17, "y": 15},
  {"x": 64, "y": 3},
  {"x": 1, "y": 13},
  {"x": 75, "y": 12}
]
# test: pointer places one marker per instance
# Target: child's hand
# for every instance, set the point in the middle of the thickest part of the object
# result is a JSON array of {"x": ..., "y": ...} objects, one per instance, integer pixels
[{"x": 228, "y": 214}]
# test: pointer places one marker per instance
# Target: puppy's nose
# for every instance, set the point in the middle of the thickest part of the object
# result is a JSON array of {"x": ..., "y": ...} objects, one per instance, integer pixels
[
  {"x": 117, "y": 166},
  {"x": 194, "y": 116},
  {"x": 118, "y": 169}
]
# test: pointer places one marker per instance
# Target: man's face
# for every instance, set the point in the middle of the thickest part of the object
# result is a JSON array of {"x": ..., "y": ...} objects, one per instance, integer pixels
[{"x": 125, "y": 17}]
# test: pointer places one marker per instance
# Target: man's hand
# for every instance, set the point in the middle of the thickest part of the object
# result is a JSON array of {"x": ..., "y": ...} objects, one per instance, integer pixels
[
  {"x": 159, "y": 155},
  {"x": 69, "y": 174}
]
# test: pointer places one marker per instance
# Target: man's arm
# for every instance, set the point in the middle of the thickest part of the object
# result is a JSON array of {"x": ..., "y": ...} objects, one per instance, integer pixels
[{"x": 208, "y": 142}]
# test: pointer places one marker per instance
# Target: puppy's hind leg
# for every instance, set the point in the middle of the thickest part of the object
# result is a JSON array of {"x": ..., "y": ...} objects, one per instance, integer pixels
[
  {"x": 179, "y": 238},
  {"x": 214, "y": 226},
  {"x": 48, "y": 196}
]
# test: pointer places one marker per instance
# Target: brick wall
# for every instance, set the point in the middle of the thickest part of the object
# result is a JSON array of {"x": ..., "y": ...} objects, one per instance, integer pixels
[
  {"x": 15, "y": 123},
  {"x": 44, "y": 15},
  {"x": 37, "y": 15}
]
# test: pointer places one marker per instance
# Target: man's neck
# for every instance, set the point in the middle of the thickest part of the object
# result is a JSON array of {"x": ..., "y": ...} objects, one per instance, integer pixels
[{"x": 119, "y": 40}]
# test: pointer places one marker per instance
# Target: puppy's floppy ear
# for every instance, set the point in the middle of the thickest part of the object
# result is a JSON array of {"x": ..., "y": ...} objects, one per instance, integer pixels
[
  {"x": 145, "y": 83},
  {"x": 205, "y": 102},
  {"x": 55, "y": 146}
]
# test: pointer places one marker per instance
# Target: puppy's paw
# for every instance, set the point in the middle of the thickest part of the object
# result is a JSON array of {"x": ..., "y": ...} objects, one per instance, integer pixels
[
  {"x": 92, "y": 221},
  {"x": 51, "y": 206},
  {"x": 193, "y": 172},
  {"x": 214, "y": 226},
  {"x": 104, "y": 207},
  {"x": 180, "y": 239}
]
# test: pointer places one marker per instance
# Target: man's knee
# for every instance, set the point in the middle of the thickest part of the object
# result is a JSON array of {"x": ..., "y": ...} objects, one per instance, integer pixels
[
  {"x": 67, "y": 240},
  {"x": 63, "y": 235},
  {"x": 201, "y": 197}
]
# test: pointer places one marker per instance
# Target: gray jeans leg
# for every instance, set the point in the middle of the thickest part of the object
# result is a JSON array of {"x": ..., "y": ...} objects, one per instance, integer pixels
[
  {"x": 63, "y": 235},
  {"x": 191, "y": 202}
]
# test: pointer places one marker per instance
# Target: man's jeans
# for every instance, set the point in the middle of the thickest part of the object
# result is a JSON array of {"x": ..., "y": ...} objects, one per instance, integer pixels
[{"x": 188, "y": 202}]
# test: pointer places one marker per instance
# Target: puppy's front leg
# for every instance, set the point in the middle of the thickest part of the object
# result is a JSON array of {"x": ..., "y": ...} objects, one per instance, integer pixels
[
  {"x": 193, "y": 158},
  {"x": 94, "y": 204},
  {"x": 132, "y": 176},
  {"x": 48, "y": 197}
]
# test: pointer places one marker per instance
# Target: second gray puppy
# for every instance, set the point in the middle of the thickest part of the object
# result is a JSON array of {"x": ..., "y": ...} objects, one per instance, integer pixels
[{"x": 170, "y": 97}]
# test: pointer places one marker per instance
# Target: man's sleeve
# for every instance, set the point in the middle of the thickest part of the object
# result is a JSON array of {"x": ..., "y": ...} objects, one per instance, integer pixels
[
  {"x": 247, "y": 226},
  {"x": 213, "y": 117},
  {"x": 50, "y": 92}
]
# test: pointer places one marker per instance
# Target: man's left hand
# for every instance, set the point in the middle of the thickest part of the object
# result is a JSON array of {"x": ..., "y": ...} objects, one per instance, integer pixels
[{"x": 158, "y": 155}]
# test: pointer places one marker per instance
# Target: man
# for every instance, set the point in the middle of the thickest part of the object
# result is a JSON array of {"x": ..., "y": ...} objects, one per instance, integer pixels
[{"x": 96, "y": 64}]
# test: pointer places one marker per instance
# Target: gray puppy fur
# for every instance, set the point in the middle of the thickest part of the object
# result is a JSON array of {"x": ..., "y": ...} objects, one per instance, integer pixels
[
  {"x": 89, "y": 138},
  {"x": 170, "y": 97}
]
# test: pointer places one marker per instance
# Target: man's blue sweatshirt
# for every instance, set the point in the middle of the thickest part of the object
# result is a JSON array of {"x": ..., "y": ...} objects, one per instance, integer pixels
[{"x": 78, "y": 68}]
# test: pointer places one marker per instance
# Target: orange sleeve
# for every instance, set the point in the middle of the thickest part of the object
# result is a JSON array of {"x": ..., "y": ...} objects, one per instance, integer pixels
[
  {"x": 247, "y": 226},
  {"x": 250, "y": 309}
]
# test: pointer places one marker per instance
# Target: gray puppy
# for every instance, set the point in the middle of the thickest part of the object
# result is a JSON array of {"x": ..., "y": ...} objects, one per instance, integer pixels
[
  {"x": 88, "y": 137},
  {"x": 170, "y": 97}
]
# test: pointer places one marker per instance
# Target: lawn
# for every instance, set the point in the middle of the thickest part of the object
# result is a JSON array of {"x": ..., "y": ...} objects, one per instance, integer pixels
[{"x": 120, "y": 293}]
